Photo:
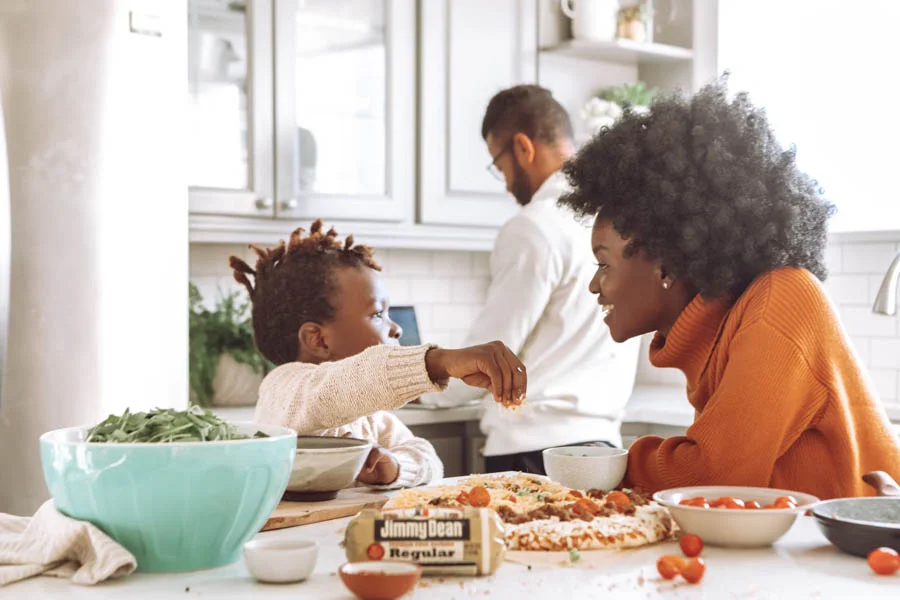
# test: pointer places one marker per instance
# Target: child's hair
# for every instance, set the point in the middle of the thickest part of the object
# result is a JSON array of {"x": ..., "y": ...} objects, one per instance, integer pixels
[{"x": 294, "y": 284}]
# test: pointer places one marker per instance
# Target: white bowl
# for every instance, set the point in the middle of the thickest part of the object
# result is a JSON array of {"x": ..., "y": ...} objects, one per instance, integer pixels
[
  {"x": 324, "y": 465},
  {"x": 280, "y": 560},
  {"x": 586, "y": 467},
  {"x": 734, "y": 528}
]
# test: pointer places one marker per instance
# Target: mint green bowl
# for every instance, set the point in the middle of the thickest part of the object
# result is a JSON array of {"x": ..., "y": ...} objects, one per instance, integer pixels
[{"x": 182, "y": 506}]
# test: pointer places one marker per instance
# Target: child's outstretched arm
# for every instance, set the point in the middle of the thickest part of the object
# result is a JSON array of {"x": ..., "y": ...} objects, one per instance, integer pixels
[
  {"x": 400, "y": 459},
  {"x": 310, "y": 398}
]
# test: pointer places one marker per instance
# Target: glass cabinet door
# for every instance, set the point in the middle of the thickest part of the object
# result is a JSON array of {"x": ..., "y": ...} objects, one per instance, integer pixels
[
  {"x": 229, "y": 122},
  {"x": 345, "y": 108}
]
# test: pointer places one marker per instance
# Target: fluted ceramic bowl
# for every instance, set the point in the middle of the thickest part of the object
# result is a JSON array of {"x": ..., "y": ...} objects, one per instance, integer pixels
[{"x": 179, "y": 506}]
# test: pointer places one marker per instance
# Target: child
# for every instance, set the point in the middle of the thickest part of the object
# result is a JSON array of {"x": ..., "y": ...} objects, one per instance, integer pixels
[{"x": 320, "y": 312}]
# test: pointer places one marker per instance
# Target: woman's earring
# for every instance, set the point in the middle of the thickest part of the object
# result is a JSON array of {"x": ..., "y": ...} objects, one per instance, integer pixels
[{"x": 666, "y": 285}]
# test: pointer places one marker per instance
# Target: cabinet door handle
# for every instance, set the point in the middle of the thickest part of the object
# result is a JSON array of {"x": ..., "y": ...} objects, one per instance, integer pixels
[
  {"x": 264, "y": 203},
  {"x": 289, "y": 204}
]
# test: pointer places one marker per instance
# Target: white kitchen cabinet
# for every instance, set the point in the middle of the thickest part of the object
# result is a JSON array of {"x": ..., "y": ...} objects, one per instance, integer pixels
[
  {"x": 230, "y": 166},
  {"x": 345, "y": 105},
  {"x": 469, "y": 51},
  {"x": 303, "y": 109}
]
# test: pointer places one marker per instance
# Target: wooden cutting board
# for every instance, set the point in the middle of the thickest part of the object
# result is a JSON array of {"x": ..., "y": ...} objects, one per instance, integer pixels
[{"x": 348, "y": 503}]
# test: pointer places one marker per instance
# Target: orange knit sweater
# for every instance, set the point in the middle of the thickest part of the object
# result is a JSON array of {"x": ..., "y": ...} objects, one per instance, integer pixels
[{"x": 780, "y": 397}]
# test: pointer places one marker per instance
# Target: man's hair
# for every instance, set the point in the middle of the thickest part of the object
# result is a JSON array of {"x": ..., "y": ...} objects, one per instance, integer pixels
[
  {"x": 295, "y": 284},
  {"x": 702, "y": 185},
  {"x": 528, "y": 109}
]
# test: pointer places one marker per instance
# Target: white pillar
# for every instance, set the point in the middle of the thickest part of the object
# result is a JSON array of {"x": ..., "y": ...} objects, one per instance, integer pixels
[{"x": 98, "y": 285}]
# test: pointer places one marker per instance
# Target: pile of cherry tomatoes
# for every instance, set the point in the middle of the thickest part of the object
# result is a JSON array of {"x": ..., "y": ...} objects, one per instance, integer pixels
[
  {"x": 670, "y": 565},
  {"x": 729, "y": 502}
]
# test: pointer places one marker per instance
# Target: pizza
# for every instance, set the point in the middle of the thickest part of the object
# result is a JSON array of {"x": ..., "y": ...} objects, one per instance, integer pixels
[{"x": 541, "y": 515}]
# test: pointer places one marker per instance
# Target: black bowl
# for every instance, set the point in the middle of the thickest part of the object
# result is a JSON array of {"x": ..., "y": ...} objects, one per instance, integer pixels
[{"x": 859, "y": 525}]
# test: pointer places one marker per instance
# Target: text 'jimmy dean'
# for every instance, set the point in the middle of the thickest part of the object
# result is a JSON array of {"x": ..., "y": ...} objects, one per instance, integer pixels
[{"x": 421, "y": 529}]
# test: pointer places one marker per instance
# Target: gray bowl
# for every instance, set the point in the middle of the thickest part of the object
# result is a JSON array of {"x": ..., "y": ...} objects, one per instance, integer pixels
[
  {"x": 325, "y": 465},
  {"x": 859, "y": 525}
]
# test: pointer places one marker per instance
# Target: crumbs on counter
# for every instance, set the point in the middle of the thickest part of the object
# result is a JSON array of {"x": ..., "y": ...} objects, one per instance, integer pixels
[{"x": 187, "y": 589}]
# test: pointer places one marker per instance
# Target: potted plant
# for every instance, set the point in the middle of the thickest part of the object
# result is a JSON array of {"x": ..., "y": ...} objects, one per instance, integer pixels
[
  {"x": 604, "y": 108},
  {"x": 225, "y": 367}
]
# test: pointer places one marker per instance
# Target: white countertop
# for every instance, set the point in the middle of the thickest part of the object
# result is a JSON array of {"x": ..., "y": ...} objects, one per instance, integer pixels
[
  {"x": 801, "y": 565},
  {"x": 659, "y": 405}
]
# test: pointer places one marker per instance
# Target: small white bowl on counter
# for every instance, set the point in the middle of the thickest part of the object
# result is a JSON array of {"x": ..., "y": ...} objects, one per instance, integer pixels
[
  {"x": 280, "y": 560},
  {"x": 734, "y": 527},
  {"x": 586, "y": 467}
]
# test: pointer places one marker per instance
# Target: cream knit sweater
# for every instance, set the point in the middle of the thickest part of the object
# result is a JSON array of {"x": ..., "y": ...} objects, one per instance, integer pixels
[{"x": 351, "y": 396}]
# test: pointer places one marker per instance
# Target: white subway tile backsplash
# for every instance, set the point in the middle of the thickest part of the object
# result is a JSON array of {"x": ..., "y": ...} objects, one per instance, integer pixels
[
  {"x": 447, "y": 338},
  {"x": 430, "y": 289},
  {"x": 833, "y": 258},
  {"x": 481, "y": 264},
  {"x": 449, "y": 288},
  {"x": 867, "y": 258},
  {"x": 451, "y": 264},
  {"x": 885, "y": 381},
  {"x": 863, "y": 347},
  {"x": 407, "y": 262},
  {"x": 859, "y": 320},
  {"x": 454, "y": 317},
  {"x": 398, "y": 290},
  {"x": 471, "y": 290},
  {"x": 848, "y": 289},
  {"x": 212, "y": 259},
  {"x": 885, "y": 354}
]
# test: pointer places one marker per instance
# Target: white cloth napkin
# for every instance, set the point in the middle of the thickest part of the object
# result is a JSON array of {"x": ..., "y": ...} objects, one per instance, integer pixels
[{"x": 51, "y": 543}]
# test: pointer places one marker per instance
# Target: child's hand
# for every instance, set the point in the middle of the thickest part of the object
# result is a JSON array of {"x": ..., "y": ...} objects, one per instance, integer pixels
[
  {"x": 492, "y": 366},
  {"x": 381, "y": 468}
]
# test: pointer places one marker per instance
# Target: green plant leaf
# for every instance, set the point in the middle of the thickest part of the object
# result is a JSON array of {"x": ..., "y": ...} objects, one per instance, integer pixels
[{"x": 226, "y": 328}]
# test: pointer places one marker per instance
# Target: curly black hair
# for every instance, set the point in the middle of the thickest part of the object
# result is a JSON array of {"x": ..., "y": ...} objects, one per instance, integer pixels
[
  {"x": 702, "y": 185},
  {"x": 294, "y": 284}
]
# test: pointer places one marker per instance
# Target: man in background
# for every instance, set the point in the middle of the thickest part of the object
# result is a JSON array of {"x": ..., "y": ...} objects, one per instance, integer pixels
[{"x": 579, "y": 379}]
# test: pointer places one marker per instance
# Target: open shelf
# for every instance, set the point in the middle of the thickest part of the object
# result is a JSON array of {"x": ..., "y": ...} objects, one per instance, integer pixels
[{"x": 622, "y": 51}]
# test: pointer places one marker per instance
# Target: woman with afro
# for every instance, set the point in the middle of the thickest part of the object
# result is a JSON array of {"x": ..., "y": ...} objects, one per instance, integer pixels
[{"x": 706, "y": 233}]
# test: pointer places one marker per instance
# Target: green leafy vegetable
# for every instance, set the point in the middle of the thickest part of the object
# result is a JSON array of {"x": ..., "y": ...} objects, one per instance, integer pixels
[
  {"x": 166, "y": 425},
  {"x": 574, "y": 555}
]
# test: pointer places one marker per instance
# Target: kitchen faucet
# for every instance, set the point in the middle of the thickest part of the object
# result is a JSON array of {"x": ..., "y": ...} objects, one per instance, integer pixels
[{"x": 886, "y": 300}]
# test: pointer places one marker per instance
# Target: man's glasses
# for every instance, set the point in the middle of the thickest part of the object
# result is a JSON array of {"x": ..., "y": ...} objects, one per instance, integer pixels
[{"x": 493, "y": 169}]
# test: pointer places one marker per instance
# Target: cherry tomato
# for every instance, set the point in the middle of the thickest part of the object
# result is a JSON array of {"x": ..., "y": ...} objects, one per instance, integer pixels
[
  {"x": 620, "y": 499},
  {"x": 884, "y": 561},
  {"x": 479, "y": 496},
  {"x": 784, "y": 503},
  {"x": 694, "y": 570},
  {"x": 691, "y": 545},
  {"x": 727, "y": 502},
  {"x": 753, "y": 504},
  {"x": 587, "y": 505},
  {"x": 699, "y": 501},
  {"x": 463, "y": 498},
  {"x": 670, "y": 565},
  {"x": 576, "y": 494},
  {"x": 785, "y": 500},
  {"x": 511, "y": 498}
]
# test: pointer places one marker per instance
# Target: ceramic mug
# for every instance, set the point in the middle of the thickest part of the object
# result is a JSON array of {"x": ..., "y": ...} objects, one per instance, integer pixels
[{"x": 593, "y": 20}]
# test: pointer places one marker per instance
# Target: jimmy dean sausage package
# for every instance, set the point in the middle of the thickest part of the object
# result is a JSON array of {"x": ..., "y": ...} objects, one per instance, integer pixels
[{"x": 444, "y": 541}]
